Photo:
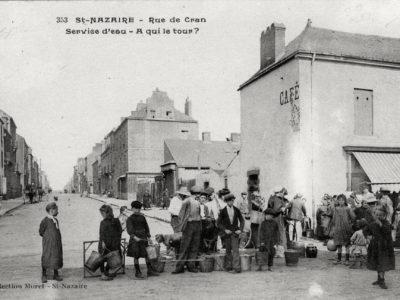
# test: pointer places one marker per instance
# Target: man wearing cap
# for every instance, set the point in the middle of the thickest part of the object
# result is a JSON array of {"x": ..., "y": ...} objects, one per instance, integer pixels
[
  {"x": 190, "y": 226},
  {"x": 231, "y": 224},
  {"x": 175, "y": 206},
  {"x": 297, "y": 212},
  {"x": 215, "y": 205},
  {"x": 256, "y": 207},
  {"x": 242, "y": 204},
  {"x": 277, "y": 203}
]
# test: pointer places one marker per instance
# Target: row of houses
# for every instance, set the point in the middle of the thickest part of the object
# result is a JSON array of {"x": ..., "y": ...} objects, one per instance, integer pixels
[
  {"x": 318, "y": 116},
  {"x": 156, "y": 148},
  {"x": 19, "y": 168}
]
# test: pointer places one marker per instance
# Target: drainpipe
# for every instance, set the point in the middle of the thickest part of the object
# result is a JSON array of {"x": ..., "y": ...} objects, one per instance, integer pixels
[{"x": 312, "y": 142}]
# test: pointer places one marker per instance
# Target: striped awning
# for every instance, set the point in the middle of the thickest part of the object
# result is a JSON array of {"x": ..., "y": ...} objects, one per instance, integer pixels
[{"x": 383, "y": 169}]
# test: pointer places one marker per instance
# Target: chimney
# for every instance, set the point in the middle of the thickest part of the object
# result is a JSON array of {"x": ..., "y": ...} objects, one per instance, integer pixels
[
  {"x": 188, "y": 107},
  {"x": 272, "y": 44},
  {"x": 235, "y": 137},
  {"x": 206, "y": 136}
]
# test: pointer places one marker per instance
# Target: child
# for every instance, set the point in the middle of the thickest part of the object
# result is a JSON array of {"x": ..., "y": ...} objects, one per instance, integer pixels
[
  {"x": 139, "y": 232},
  {"x": 52, "y": 256},
  {"x": 109, "y": 239},
  {"x": 342, "y": 229},
  {"x": 268, "y": 237},
  {"x": 380, "y": 250},
  {"x": 359, "y": 244}
]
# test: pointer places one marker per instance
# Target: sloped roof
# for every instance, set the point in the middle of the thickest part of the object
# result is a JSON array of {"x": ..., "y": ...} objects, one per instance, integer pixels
[
  {"x": 338, "y": 43},
  {"x": 216, "y": 155}
]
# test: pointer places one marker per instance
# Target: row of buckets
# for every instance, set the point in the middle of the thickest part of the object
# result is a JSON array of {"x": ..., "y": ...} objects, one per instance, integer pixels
[{"x": 220, "y": 262}]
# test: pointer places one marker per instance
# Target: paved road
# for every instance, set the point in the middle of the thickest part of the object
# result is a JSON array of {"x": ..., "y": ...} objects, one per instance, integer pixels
[{"x": 20, "y": 251}]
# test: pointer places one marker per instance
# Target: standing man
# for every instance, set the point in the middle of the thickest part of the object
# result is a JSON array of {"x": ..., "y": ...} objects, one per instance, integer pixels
[
  {"x": 242, "y": 204},
  {"x": 278, "y": 206},
  {"x": 52, "y": 255},
  {"x": 231, "y": 224},
  {"x": 146, "y": 200},
  {"x": 256, "y": 206},
  {"x": 190, "y": 226},
  {"x": 175, "y": 207},
  {"x": 297, "y": 212}
]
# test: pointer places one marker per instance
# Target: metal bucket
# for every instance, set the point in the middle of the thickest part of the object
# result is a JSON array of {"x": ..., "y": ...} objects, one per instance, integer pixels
[
  {"x": 207, "y": 265},
  {"x": 261, "y": 258},
  {"x": 158, "y": 265},
  {"x": 219, "y": 261},
  {"x": 94, "y": 261},
  {"x": 245, "y": 262},
  {"x": 291, "y": 257},
  {"x": 300, "y": 247},
  {"x": 153, "y": 251},
  {"x": 114, "y": 260}
]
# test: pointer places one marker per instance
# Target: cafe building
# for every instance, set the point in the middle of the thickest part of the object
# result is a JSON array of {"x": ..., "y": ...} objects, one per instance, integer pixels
[{"x": 320, "y": 114}]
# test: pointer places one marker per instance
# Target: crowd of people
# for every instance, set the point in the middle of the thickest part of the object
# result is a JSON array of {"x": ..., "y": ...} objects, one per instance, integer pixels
[{"x": 204, "y": 221}]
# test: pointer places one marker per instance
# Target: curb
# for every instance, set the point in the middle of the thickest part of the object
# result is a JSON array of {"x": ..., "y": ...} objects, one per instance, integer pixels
[
  {"x": 12, "y": 209},
  {"x": 115, "y": 205}
]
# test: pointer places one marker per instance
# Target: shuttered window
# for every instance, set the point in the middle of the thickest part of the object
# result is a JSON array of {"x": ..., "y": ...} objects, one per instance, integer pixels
[{"x": 363, "y": 112}]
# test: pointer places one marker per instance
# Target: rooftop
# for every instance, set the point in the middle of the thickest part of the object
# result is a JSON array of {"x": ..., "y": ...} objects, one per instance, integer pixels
[
  {"x": 340, "y": 44},
  {"x": 216, "y": 155}
]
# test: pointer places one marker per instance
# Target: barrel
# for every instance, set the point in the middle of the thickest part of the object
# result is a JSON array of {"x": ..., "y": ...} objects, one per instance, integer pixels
[
  {"x": 219, "y": 260},
  {"x": 291, "y": 257},
  {"x": 207, "y": 265},
  {"x": 245, "y": 262}
]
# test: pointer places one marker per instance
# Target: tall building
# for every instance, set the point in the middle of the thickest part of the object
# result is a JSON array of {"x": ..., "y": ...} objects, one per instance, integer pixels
[
  {"x": 136, "y": 145},
  {"x": 318, "y": 116}
]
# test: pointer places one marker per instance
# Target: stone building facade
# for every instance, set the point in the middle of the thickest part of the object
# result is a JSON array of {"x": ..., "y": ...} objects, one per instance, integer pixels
[
  {"x": 318, "y": 115},
  {"x": 138, "y": 141}
]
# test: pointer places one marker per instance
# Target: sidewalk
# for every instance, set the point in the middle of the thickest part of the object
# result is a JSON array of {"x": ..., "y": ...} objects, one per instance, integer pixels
[
  {"x": 154, "y": 213},
  {"x": 11, "y": 204}
]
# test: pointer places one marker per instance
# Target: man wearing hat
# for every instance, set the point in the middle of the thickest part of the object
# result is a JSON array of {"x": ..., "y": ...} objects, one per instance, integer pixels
[
  {"x": 190, "y": 226},
  {"x": 278, "y": 205},
  {"x": 215, "y": 205},
  {"x": 231, "y": 223},
  {"x": 297, "y": 212},
  {"x": 52, "y": 255},
  {"x": 175, "y": 206}
]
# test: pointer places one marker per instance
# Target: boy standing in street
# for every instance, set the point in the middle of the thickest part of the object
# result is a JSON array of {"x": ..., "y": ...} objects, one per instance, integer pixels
[
  {"x": 231, "y": 224},
  {"x": 52, "y": 255},
  {"x": 268, "y": 236}
]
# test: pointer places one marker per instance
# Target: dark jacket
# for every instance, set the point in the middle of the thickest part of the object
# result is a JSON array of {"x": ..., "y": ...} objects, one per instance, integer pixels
[
  {"x": 137, "y": 225},
  {"x": 225, "y": 223},
  {"x": 268, "y": 234},
  {"x": 110, "y": 234}
]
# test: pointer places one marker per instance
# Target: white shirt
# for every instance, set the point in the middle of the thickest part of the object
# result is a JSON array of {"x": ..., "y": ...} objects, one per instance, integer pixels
[
  {"x": 231, "y": 213},
  {"x": 214, "y": 207},
  {"x": 175, "y": 206},
  {"x": 202, "y": 212}
]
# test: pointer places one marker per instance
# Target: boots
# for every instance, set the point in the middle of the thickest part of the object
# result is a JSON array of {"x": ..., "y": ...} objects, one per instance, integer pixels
[
  {"x": 151, "y": 271},
  {"x": 138, "y": 273},
  {"x": 44, "y": 277},
  {"x": 56, "y": 276},
  {"x": 339, "y": 259}
]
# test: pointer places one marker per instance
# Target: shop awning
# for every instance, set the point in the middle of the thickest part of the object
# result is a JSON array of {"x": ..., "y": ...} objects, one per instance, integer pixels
[{"x": 383, "y": 169}]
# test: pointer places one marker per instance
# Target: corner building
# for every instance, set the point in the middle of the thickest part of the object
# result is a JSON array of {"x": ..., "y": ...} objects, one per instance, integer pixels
[
  {"x": 139, "y": 141},
  {"x": 320, "y": 114}
]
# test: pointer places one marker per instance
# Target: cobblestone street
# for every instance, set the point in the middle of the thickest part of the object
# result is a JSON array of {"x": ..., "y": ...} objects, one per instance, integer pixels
[{"x": 20, "y": 252}]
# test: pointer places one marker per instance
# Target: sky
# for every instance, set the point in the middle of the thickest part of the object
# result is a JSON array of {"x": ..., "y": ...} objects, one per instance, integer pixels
[{"x": 65, "y": 92}]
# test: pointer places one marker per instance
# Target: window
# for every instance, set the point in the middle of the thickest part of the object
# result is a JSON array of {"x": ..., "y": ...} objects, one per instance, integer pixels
[
  {"x": 363, "y": 112},
  {"x": 169, "y": 113},
  {"x": 152, "y": 113}
]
